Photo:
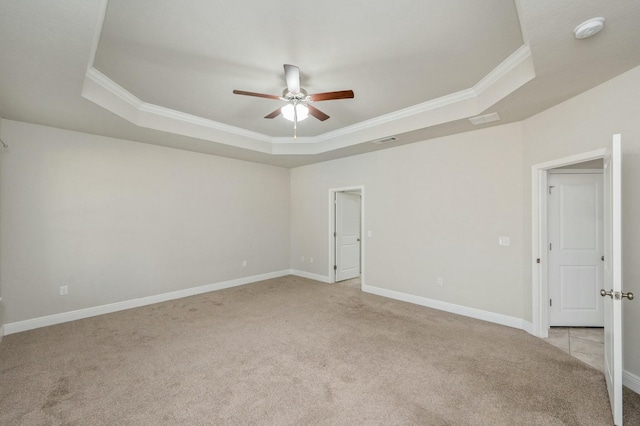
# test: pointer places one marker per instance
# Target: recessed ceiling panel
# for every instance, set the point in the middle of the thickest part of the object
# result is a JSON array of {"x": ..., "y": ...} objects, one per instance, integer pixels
[{"x": 189, "y": 56}]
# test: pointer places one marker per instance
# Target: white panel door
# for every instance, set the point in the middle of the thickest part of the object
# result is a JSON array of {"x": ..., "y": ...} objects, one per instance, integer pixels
[
  {"x": 347, "y": 222},
  {"x": 575, "y": 250},
  {"x": 613, "y": 277}
]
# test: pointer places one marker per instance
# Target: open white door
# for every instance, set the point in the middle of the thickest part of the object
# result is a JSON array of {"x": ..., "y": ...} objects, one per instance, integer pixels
[
  {"x": 347, "y": 222},
  {"x": 613, "y": 277}
]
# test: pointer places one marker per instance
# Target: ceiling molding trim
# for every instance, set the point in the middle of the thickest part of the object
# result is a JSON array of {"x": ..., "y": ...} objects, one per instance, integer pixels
[
  {"x": 510, "y": 75},
  {"x": 173, "y": 114},
  {"x": 501, "y": 71},
  {"x": 96, "y": 77},
  {"x": 103, "y": 91},
  {"x": 507, "y": 77},
  {"x": 411, "y": 111}
]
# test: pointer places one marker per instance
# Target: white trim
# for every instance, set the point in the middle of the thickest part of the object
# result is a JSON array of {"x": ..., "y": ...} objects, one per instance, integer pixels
[
  {"x": 575, "y": 171},
  {"x": 539, "y": 237},
  {"x": 17, "y": 327},
  {"x": 527, "y": 326},
  {"x": 331, "y": 258},
  {"x": 631, "y": 381},
  {"x": 522, "y": 54},
  {"x": 448, "y": 307},
  {"x": 503, "y": 80},
  {"x": 311, "y": 276}
]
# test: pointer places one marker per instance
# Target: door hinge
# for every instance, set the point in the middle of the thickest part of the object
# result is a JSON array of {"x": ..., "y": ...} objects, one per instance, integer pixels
[
  {"x": 550, "y": 246},
  {"x": 550, "y": 302},
  {"x": 335, "y": 267},
  {"x": 550, "y": 189},
  {"x": 335, "y": 235},
  {"x": 538, "y": 260}
]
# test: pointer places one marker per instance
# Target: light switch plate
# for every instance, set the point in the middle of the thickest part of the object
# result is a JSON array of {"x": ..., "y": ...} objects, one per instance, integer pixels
[{"x": 504, "y": 241}]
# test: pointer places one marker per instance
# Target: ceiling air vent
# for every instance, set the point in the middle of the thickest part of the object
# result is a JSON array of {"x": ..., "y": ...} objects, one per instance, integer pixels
[
  {"x": 385, "y": 140},
  {"x": 482, "y": 119}
]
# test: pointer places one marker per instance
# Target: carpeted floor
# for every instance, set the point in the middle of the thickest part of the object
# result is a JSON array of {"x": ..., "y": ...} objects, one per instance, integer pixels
[{"x": 294, "y": 351}]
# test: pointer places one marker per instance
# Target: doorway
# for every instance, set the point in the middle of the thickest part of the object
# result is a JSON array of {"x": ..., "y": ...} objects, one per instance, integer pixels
[
  {"x": 575, "y": 235},
  {"x": 612, "y": 227},
  {"x": 540, "y": 232},
  {"x": 346, "y": 222}
]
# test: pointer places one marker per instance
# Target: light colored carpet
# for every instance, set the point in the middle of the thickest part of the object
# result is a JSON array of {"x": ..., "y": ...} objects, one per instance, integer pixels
[{"x": 294, "y": 351}]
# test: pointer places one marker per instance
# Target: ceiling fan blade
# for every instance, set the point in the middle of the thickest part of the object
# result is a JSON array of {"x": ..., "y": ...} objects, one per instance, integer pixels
[
  {"x": 328, "y": 96},
  {"x": 317, "y": 113},
  {"x": 292, "y": 75},
  {"x": 274, "y": 114},
  {"x": 259, "y": 95}
]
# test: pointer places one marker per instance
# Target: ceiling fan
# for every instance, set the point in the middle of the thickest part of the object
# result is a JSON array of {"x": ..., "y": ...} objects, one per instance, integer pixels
[{"x": 298, "y": 107}]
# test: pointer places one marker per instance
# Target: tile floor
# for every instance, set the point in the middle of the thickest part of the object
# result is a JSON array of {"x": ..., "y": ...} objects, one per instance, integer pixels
[{"x": 584, "y": 343}]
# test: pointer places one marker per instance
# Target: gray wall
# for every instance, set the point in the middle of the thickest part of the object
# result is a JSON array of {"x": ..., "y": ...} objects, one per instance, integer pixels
[
  {"x": 116, "y": 220},
  {"x": 579, "y": 125},
  {"x": 435, "y": 209}
]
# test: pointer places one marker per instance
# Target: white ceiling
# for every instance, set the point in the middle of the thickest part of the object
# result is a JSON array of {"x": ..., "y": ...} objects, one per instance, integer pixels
[{"x": 163, "y": 71}]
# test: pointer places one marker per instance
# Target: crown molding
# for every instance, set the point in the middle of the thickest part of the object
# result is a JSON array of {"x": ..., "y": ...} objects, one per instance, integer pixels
[
  {"x": 518, "y": 57},
  {"x": 503, "y": 80}
]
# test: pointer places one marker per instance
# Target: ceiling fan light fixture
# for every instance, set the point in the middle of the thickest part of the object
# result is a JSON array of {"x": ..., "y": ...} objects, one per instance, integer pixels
[{"x": 301, "y": 110}]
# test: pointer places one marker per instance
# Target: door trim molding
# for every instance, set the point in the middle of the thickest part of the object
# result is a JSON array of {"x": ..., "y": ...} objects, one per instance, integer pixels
[
  {"x": 331, "y": 243},
  {"x": 539, "y": 237}
]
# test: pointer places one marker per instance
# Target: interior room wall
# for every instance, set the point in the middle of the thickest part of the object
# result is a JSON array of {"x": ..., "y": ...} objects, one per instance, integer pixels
[
  {"x": 581, "y": 124},
  {"x": 117, "y": 220},
  {"x": 435, "y": 209}
]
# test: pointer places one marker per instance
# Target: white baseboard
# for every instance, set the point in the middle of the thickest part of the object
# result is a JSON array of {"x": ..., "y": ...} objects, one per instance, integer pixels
[
  {"x": 447, "y": 307},
  {"x": 631, "y": 381},
  {"x": 17, "y": 327},
  {"x": 528, "y": 327},
  {"x": 317, "y": 277}
]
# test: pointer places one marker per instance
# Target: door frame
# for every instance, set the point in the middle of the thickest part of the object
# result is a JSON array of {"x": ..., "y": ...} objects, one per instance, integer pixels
[
  {"x": 561, "y": 171},
  {"x": 539, "y": 237},
  {"x": 332, "y": 224}
]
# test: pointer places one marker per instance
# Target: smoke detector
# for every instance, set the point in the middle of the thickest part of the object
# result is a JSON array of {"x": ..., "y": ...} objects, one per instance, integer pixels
[{"x": 589, "y": 28}]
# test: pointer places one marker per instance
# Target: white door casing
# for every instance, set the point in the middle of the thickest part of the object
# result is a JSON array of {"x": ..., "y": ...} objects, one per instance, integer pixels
[
  {"x": 613, "y": 276},
  {"x": 347, "y": 235},
  {"x": 612, "y": 264},
  {"x": 575, "y": 249}
]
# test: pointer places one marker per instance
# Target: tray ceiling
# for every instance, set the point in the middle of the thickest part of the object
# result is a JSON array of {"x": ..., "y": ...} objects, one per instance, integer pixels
[{"x": 163, "y": 71}]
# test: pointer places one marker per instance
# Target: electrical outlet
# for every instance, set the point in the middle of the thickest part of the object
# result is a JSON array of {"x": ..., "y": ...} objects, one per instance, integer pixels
[
  {"x": 244, "y": 263},
  {"x": 440, "y": 281},
  {"x": 311, "y": 260},
  {"x": 64, "y": 290}
]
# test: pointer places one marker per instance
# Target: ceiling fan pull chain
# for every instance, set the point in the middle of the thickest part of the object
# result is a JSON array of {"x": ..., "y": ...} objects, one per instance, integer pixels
[{"x": 295, "y": 120}]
